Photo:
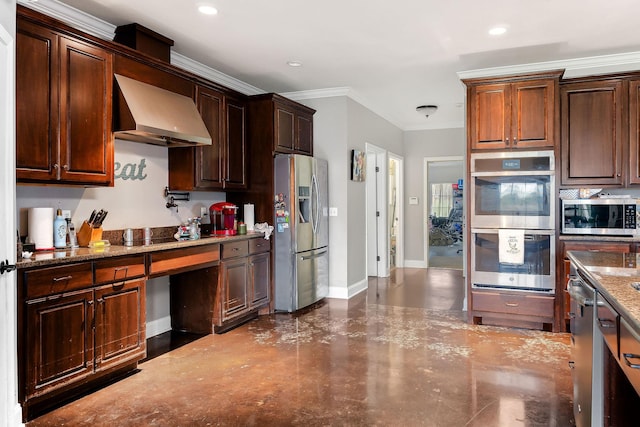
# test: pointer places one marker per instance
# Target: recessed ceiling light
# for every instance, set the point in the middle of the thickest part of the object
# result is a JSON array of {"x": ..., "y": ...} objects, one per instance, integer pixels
[
  {"x": 294, "y": 64},
  {"x": 497, "y": 31},
  {"x": 207, "y": 9}
]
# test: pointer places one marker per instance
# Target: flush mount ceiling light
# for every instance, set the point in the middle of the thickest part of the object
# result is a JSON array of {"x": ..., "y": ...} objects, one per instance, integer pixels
[
  {"x": 207, "y": 9},
  {"x": 294, "y": 64},
  {"x": 498, "y": 30},
  {"x": 427, "y": 110}
]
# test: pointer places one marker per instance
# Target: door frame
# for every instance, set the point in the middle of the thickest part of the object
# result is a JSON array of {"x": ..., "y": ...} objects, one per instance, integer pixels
[
  {"x": 399, "y": 207},
  {"x": 427, "y": 203},
  {"x": 10, "y": 412},
  {"x": 376, "y": 201}
]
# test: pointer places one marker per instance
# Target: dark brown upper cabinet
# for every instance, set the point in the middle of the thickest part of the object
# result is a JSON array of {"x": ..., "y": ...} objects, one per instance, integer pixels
[
  {"x": 592, "y": 141},
  {"x": 285, "y": 125},
  {"x": 222, "y": 165},
  {"x": 63, "y": 108},
  {"x": 634, "y": 131},
  {"x": 513, "y": 112}
]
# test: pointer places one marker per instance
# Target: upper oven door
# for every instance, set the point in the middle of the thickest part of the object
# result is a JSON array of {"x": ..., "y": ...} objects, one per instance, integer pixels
[{"x": 509, "y": 191}]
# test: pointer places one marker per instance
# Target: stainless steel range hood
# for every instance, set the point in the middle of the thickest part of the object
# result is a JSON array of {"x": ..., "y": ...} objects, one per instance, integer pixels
[{"x": 157, "y": 116}]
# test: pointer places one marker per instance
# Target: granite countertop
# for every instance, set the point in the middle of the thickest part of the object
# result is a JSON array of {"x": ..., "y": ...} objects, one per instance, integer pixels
[
  {"x": 69, "y": 255},
  {"x": 597, "y": 237},
  {"x": 612, "y": 275}
]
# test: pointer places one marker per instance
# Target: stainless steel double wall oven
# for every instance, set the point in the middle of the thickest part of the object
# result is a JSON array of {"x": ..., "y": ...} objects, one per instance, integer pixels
[{"x": 513, "y": 191}]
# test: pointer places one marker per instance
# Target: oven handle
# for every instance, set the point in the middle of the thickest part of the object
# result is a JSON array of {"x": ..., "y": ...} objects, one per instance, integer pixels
[
  {"x": 526, "y": 231},
  {"x": 513, "y": 173}
]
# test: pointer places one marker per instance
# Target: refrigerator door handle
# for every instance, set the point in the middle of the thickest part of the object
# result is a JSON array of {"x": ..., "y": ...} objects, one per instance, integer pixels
[
  {"x": 316, "y": 217},
  {"x": 317, "y": 255}
]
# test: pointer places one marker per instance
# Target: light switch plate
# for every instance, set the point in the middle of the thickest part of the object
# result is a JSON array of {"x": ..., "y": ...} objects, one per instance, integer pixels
[{"x": 333, "y": 211}]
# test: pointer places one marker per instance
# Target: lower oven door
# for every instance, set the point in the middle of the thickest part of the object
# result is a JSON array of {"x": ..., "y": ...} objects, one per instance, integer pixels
[{"x": 536, "y": 273}]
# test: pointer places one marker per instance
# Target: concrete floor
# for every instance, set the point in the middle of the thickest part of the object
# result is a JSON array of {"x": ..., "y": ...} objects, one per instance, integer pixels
[{"x": 402, "y": 357}]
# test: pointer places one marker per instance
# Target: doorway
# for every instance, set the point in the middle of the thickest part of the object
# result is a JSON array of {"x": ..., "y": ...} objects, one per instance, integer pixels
[
  {"x": 395, "y": 212},
  {"x": 443, "y": 214},
  {"x": 383, "y": 211}
]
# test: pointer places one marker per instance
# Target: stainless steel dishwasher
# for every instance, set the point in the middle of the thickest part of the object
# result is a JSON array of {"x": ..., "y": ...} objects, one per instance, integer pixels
[{"x": 582, "y": 300}]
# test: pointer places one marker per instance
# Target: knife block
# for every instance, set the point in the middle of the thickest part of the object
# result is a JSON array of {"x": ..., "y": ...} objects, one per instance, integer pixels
[{"x": 88, "y": 234}]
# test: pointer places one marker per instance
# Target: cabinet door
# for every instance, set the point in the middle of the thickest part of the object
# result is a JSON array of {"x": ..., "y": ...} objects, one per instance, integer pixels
[
  {"x": 634, "y": 132},
  {"x": 59, "y": 341},
  {"x": 533, "y": 112},
  {"x": 304, "y": 140},
  {"x": 260, "y": 278},
  {"x": 208, "y": 167},
  {"x": 86, "y": 141},
  {"x": 234, "y": 287},
  {"x": 120, "y": 323},
  {"x": 284, "y": 132},
  {"x": 591, "y": 141},
  {"x": 235, "y": 148},
  {"x": 490, "y": 117},
  {"x": 37, "y": 75}
]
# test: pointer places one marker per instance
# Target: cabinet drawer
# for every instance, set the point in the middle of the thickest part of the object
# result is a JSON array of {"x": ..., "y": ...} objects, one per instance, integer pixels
[
  {"x": 630, "y": 353},
  {"x": 607, "y": 321},
  {"x": 257, "y": 246},
  {"x": 55, "y": 280},
  {"x": 526, "y": 305},
  {"x": 180, "y": 260},
  {"x": 119, "y": 269},
  {"x": 234, "y": 249}
]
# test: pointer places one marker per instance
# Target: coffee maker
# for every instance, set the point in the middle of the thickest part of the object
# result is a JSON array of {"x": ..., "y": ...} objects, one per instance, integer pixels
[{"x": 223, "y": 219}]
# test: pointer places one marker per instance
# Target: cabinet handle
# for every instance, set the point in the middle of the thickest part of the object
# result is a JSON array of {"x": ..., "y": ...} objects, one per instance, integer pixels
[
  {"x": 572, "y": 364},
  {"x": 118, "y": 269},
  {"x": 65, "y": 167},
  {"x": 60, "y": 279},
  {"x": 512, "y": 304},
  {"x": 628, "y": 356},
  {"x": 57, "y": 168},
  {"x": 606, "y": 323},
  {"x": 572, "y": 315},
  {"x": 515, "y": 141}
]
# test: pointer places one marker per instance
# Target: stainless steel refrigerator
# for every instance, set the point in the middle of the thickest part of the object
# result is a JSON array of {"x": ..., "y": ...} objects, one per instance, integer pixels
[{"x": 301, "y": 231}]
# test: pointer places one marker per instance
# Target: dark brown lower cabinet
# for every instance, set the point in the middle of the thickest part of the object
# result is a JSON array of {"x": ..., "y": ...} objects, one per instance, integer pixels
[
  {"x": 120, "y": 323},
  {"x": 259, "y": 267},
  {"x": 76, "y": 332},
  {"x": 233, "y": 280},
  {"x": 59, "y": 341}
]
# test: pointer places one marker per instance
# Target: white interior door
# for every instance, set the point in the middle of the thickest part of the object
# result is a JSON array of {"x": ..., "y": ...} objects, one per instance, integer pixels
[
  {"x": 10, "y": 413},
  {"x": 377, "y": 232}
]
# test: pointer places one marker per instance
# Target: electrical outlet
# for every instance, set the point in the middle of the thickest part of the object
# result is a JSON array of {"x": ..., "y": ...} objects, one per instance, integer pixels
[
  {"x": 333, "y": 211},
  {"x": 66, "y": 213},
  {"x": 203, "y": 212}
]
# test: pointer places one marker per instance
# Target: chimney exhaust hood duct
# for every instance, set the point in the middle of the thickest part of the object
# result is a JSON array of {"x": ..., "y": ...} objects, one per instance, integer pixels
[{"x": 157, "y": 116}]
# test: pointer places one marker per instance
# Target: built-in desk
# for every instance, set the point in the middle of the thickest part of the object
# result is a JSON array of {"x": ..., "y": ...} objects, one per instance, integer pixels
[{"x": 81, "y": 312}]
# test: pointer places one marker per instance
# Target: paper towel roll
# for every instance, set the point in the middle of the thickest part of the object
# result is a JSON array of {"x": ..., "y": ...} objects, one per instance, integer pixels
[
  {"x": 40, "y": 225},
  {"x": 249, "y": 218}
]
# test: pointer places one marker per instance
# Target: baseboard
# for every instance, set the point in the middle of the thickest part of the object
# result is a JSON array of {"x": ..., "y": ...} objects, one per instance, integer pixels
[
  {"x": 413, "y": 263},
  {"x": 158, "y": 326},
  {"x": 346, "y": 293}
]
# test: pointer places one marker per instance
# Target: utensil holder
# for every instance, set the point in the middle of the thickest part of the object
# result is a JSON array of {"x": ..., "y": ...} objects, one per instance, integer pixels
[{"x": 88, "y": 234}]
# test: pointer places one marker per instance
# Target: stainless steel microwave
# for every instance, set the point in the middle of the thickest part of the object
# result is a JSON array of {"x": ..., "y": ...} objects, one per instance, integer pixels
[{"x": 604, "y": 216}]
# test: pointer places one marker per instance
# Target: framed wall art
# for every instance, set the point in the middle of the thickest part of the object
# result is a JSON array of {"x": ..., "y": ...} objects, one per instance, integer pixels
[{"x": 358, "y": 165}]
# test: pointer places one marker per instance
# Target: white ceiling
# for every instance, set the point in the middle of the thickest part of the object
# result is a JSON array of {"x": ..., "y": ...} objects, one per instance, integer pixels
[{"x": 392, "y": 56}]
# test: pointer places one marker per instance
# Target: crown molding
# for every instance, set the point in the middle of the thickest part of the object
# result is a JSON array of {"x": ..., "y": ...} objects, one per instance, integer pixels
[
  {"x": 577, "y": 67},
  {"x": 443, "y": 125},
  {"x": 104, "y": 30},
  {"x": 340, "y": 91},
  {"x": 73, "y": 17},
  {"x": 212, "y": 74}
]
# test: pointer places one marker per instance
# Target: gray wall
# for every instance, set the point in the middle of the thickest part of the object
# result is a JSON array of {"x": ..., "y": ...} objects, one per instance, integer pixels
[
  {"x": 341, "y": 125},
  {"x": 417, "y": 146}
]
